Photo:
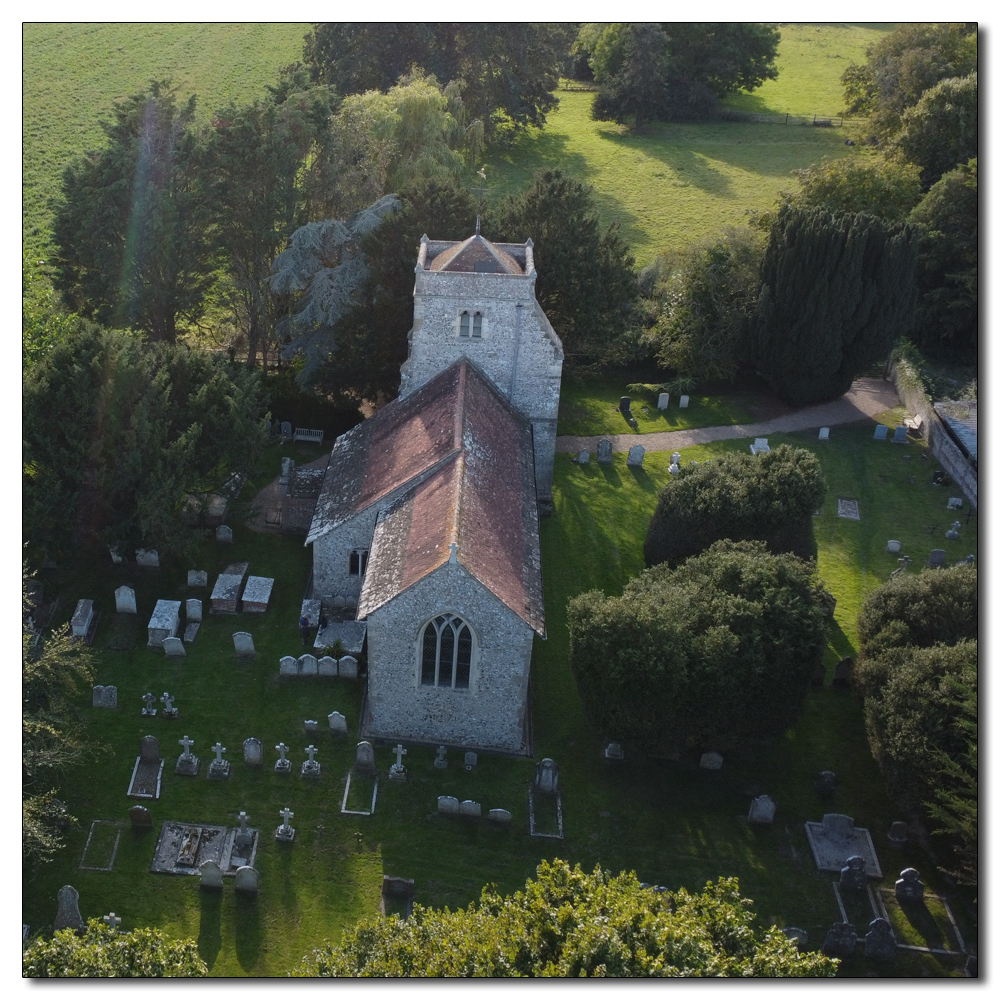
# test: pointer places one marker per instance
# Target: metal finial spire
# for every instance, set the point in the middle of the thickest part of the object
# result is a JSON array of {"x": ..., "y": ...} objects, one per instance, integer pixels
[{"x": 482, "y": 191}]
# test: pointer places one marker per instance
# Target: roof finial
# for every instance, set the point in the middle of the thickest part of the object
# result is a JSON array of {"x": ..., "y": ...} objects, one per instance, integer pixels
[
  {"x": 453, "y": 558},
  {"x": 482, "y": 190},
  {"x": 477, "y": 223}
]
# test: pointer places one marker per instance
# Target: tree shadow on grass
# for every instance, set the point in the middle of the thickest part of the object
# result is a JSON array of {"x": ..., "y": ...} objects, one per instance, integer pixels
[
  {"x": 249, "y": 930},
  {"x": 210, "y": 932}
]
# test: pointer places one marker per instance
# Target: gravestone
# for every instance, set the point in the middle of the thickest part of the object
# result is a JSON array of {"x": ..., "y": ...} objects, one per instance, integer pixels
[
  {"x": 881, "y": 432},
  {"x": 954, "y": 503},
  {"x": 218, "y": 770},
  {"x": 937, "y": 557},
  {"x": 340, "y": 602},
  {"x": 471, "y": 760},
  {"x": 223, "y": 533},
  {"x": 285, "y": 832},
  {"x": 348, "y": 667},
  {"x": 675, "y": 458},
  {"x": 824, "y": 434},
  {"x": 307, "y": 665},
  {"x": 338, "y": 724},
  {"x": 853, "y": 876},
  {"x": 952, "y": 533},
  {"x": 82, "y": 617},
  {"x": 327, "y": 666},
  {"x": 149, "y": 701},
  {"x": 148, "y": 558},
  {"x": 836, "y": 840},
  {"x": 880, "y": 942},
  {"x": 282, "y": 765},
  {"x": 211, "y": 875},
  {"x": 192, "y": 609},
  {"x": 148, "y": 770},
  {"x": 140, "y": 819},
  {"x": 470, "y": 808},
  {"x": 613, "y": 751},
  {"x": 311, "y": 767},
  {"x": 68, "y": 912},
  {"x": 225, "y": 594},
  {"x": 164, "y": 622},
  {"x": 397, "y": 772},
  {"x": 187, "y": 764},
  {"x": 288, "y": 666},
  {"x": 761, "y": 810},
  {"x": 105, "y": 696},
  {"x": 243, "y": 644},
  {"x": 625, "y": 404},
  {"x": 909, "y": 888},
  {"x": 191, "y": 632},
  {"x": 116, "y": 557},
  {"x": 351, "y": 603},
  {"x": 197, "y": 577},
  {"x": 286, "y": 429},
  {"x": 501, "y": 816},
  {"x": 364, "y": 758},
  {"x": 840, "y": 940},
  {"x": 173, "y": 646},
  {"x": 710, "y": 761},
  {"x": 798, "y": 935},
  {"x": 547, "y": 776},
  {"x": 664, "y": 401},
  {"x": 899, "y": 834},
  {"x": 448, "y": 805},
  {"x": 311, "y": 727},
  {"x": 125, "y": 601},
  {"x": 843, "y": 672},
  {"x": 169, "y": 711},
  {"x": 253, "y": 752},
  {"x": 899, "y": 435},
  {"x": 604, "y": 452},
  {"x": 441, "y": 760},
  {"x": 684, "y": 402},
  {"x": 584, "y": 457},
  {"x": 893, "y": 546},
  {"x": 635, "y": 455},
  {"x": 825, "y": 783}
]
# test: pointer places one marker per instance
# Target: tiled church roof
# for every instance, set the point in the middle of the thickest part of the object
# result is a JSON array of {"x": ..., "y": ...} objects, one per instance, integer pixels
[{"x": 475, "y": 250}]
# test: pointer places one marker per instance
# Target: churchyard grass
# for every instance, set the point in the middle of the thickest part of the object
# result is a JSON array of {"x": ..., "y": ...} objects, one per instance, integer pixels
[{"x": 672, "y": 823}]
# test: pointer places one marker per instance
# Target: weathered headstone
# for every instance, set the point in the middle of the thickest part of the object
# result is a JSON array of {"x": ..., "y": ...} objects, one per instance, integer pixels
[
  {"x": 116, "y": 556},
  {"x": 899, "y": 435},
  {"x": 798, "y": 935},
  {"x": 173, "y": 646},
  {"x": 148, "y": 558},
  {"x": 339, "y": 602},
  {"x": 441, "y": 760},
  {"x": 448, "y": 805},
  {"x": 502, "y": 816},
  {"x": 82, "y": 617},
  {"x": 840, "y": 940},
  {"x": 894, "y": 546},
  {"x": 825, "y": 783},
  {"x": 338, "y": 724},
  {"x": 285, "y": 832},
  {"x": 613, "y": 751},
  {"x": 583, "y": 458},
  {"x": 853, "y": 875},
  {"x": 164, "y": 622},
  {"x": 547, "y": 776},
  {"x": 253, "y": 752},
  {"x": 635, "y": 455},
  {"x": 881, "y": 432},
  {"x": 288, "y": 666},
  {"x": 282, "y": 765},
  {"x": 243, "y": 644},
  {"x": 191, "y": 632},
  {"x": 311, "y": 767},
  {"x": 684, "y": 402},
  {"x": 710, "y": 761},
  {"x": 68, "y": 912},
  {"x": 125, "y": 601},
  {"x": 952, "y": 533},
  {"x": 169, "y": 709},
  {"x": 218, "y": 770},
  {"x": 148, "y": 770},
  {"x": 348, "y": 667},
  {"x": 824, "y": 434},
  {"x": 664, "y": 401},
  {"x": 625, "y": 404},
  {"x": 149, "y": 701},
  {"x": 105, "y": 696},
  {"x": 899, "y": 834},
  {"x": 327, "y": 666},
  {"x": 311, "y": 727},
  {"x": 909, "y": 888},
  {"x": 364, "y": 758},
  {"x": 192, "y": 609},
  {"x": 604, "y": 452},
  {"x": 471, "y": 760},
  {"x": 140, "y": 818},
  {"x": 954, "y": 503},
  {"x": 223, "y": 533},
  {"x": 307, "y": 665},
  {"x": 470, "y": 808},
  {"x": 197, "y": 577},
  {"x": 761, "y": 810},
  {"x": 880, "y": 942},
  {"x": 937, "y": 558},
  {"x": 351, "y": 603},
  {"x": 211, "y": 875}
]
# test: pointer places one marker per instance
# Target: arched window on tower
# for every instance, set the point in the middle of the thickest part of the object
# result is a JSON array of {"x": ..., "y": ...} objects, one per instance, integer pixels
[
  {"x": 464, "y": 324},
  {"x": 477, "y": 324},
  {"x": 446, "y": 646}
]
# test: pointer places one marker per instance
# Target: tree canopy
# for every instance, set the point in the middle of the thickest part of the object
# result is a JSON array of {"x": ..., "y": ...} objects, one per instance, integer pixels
[
  {"x": 566, "y": 923},
  {"x": 860, "y": 183},
  {"x": 712, "y": 654}
]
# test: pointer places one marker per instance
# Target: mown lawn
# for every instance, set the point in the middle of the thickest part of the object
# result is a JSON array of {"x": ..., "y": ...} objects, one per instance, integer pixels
[{"x": 667, "y": 820}]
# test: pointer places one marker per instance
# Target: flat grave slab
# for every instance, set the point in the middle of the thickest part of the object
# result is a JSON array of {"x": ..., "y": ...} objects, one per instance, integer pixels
[
  {"x": 351, "y": 635},
  {"x": 102, "y": 846},
  {"x": 257, "y": 594},
  {"x": 226, "y": 592},
  {"x": 848, "y": 509},
  {"x": 165, "y": 622},
  {"x": 836, "y": 839},
  {"x": 182, "y": 847}
]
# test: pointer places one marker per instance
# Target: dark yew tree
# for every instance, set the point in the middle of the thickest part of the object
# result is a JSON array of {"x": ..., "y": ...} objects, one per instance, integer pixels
[
  {"x": 131, "y": 227},
  {"x": 837, "y": 290}
]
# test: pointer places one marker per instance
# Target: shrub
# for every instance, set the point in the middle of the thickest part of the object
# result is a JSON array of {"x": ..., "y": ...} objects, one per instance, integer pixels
[
  {"x": 716, "y": 652},
  {"x": 769, "y": 497}
]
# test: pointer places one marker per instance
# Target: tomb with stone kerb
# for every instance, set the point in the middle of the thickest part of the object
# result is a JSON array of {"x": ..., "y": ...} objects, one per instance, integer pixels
[
  {"x": 257, "y": 594},
  {"x": 164, "y": 622},
  {"x": 228, "y": 586},
  {"x": 148, "y": 771},
  {"x": 836, "y": 839}
]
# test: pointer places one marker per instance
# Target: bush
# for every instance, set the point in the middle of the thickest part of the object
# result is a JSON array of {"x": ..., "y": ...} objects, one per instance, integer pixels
[
  {"x": 714, "y": 653},
  {"x": 769, "y": 497}
]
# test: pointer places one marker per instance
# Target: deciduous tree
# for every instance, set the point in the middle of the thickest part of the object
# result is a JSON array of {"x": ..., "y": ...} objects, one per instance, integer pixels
[{"x": 860, "y": 183}]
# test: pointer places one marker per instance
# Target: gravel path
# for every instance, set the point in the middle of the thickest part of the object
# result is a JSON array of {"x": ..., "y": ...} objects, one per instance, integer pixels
[{"x": 865, "y": 398}]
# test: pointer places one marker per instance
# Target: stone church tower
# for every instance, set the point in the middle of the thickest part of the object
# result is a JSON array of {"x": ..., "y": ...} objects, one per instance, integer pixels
[{"x": 476, "y": 299}]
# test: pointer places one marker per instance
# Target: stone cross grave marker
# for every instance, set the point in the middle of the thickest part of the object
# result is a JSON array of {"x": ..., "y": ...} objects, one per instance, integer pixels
[
  {"x": 253, "y": 752},
  {"x": 169, "y": 712},
  {"x": 282, "y": 765},
  {"x": 952, "y": 533},
  {"x": 243, "y": 643},
  {"x": 192, "y": 609},
  {"x": 364, "y": 758},
  {"x": 68, "y": 912},
  {"x": 243, "y": 838},
  {"x": 397, "y": 772},
  {"x": 125, "y": 601},
  {"x": 219, "y": 768},
  {"x": 149, "y": 699},
  {"x": 112, "y": 921},
  {"x": 441, "y": 760},
  {"x": 604, "y": 452},
  {"x": 187, "y": 763},
  {"x": 311, "y": 766},
  {"x": 285, "y": 832}
]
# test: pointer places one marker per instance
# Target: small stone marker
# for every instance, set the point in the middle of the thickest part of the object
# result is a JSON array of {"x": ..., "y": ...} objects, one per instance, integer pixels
[
  {"x": 112, "y": 921},
  {"x": 471, "y": 760},
  {"x": 448, "y": 805},
  {"x": 288, "y": 666},
  {"x": 881, "y": 432},
  {"x": 625, "y": 404},
  {"x": 684, "y": 402},
  {"x": 583, "y": 458},
  {"x": 311, "y": 727},
  {"x": 82, "y": 617},
  {"x": 211, "y": 875},
  {"x": 761, "y": 810},
  {"x": 243, "y": 838},
  {"x": 149, "y": 558},
  {"x": 613, "y": 751},
  {"x": 441, "y": 760},
  {"x": 397, "y": 772},
  {"x": 311, "y": 767},
  {"x": 351, "y": 603},
  {"x": 501, "y": 816},
  {"x": 169, "y": 711},
  {"x": 223, "y": 533},
  {"x": 285, "y": 832},
  {"x": 470, "y": 808},
  {"x": 664, "y": 401},
  {"x": 105, "y": 696},
  {"x": 899, "y": 834},
  {"x": 710, "y": 761},
  {"x": 140, "y": 818},
  {"x": 116, "y": 557},
  {"x": 197, "y": 577},
  {"x": 149, "y": 700},
  {"x": 192, "y": 609},
  {"x": 286, "y": 429},
  {"x": 825, "y": 783},
  {"x": 125, "y": 601},
  {"x": 68, "y": 912},
  {"x": 880, "y": 942},
  {"x": 798, "y": 935},
  {"x": 547, "y": 776},
  {"x": 364, "y": 758},
  {"x": 954, "y": 503},
  {"x": 243, "y": 644},
  {"x": 604, "y": 452},
  {"x": 824, "y": 434},
  {"x": 173, "y": 646},
  {"x": 635, "y": 456},
  {"x": 338, "y": 724},
  {"x": 307, "y": 665},
  {"x": 187, "y": 763},
  {"x": 909, "y": 888},
  {"x": 840, "y": 941},
  {"x": 219, "y": 769},
  {"x": 952, "y": 533},
  {"x": 893, "y": 546},
  {"x": 853, "y": 875},
  {"x": 899, "y": 435},
  {"x": 327, "y": 666},
  {"x": 348, "y": 667},
  {"x": 340, "y": 602},
  {"x": 253, "y": 752},
  {"x": 937, "y": 558},
  {"x": 281, "y": 765},
  {"x": 675, "y": 458}
]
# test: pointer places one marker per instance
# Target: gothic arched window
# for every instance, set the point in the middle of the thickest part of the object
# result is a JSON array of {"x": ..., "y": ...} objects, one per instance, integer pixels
[
  {"x": 463, "y": 327},
  {"x": 477, "y": 324},
  {"x": 446, "y": 644}
]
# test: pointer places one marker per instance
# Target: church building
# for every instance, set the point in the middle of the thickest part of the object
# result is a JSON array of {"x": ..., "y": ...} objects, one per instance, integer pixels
[{"x": 428, "y": 511}]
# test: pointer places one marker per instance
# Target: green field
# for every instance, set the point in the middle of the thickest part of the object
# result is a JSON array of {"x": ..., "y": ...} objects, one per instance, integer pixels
[{"x": 670, "y": 822}]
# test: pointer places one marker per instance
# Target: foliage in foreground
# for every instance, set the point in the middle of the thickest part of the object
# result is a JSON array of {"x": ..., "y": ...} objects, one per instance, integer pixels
[
  {"x": 714, "y": 653},
  {"x": 100, "y": 953},
  {"x": 769, "y": 497},
  {"x": 569, "y": 924}
]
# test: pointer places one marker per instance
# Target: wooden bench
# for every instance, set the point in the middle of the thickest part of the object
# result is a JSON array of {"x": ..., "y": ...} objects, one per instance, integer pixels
[{"x": 307, "y": 434}]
